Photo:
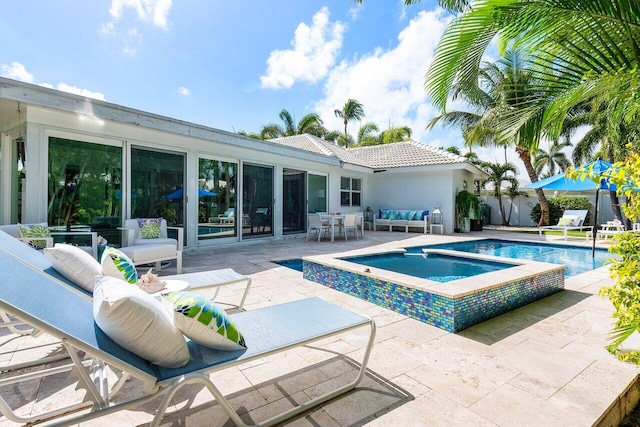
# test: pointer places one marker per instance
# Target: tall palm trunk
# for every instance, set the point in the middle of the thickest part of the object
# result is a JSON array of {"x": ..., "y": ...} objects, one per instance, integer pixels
[
  {"x": 525, "y": 156},
  {"x": 615, "y": 202}
]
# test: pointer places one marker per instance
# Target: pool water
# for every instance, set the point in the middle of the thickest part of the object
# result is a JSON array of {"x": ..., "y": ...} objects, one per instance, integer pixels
[
  {"x": 295, "y": 263},
  {"x": 437, "y": 267},
  {"x": 576, "y": 259}
]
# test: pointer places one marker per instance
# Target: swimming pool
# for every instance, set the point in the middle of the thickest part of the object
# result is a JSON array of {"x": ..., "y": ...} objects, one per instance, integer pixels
[
  {"x": 576, "y": 259},
  {"x": 432, "y": 266},
  {"x": 453, "y": 305}
]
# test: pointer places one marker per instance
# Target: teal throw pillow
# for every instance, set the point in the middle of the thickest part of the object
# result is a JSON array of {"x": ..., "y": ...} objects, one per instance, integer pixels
[
  {"x": 385, "y": 213},
  {"x": 117, "y": 264},
  {"x": 417, "y": 216},
  {"x": 402, "y": 215},
  {"x": 203, "y": 321},
  {"x": 149, "y": 227},
  {"x": 393, "y": 215},
  {"x": 35, "y": 230},
  {"x": 411, "y": 215}
]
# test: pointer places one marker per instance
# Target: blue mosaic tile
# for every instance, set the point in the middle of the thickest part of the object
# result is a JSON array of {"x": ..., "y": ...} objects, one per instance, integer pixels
[{"x": 450, "y": 314}]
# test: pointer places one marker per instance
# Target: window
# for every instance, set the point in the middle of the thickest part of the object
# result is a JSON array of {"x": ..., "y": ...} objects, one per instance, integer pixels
[{"x": 350, "y": 191}]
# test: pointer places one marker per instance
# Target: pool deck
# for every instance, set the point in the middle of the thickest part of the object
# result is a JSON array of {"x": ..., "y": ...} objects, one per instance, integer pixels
[{"x": 543, "y": 364}]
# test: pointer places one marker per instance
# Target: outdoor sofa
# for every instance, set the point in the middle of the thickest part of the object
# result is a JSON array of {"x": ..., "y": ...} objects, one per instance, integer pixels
[{"x": 402, "y": 219}]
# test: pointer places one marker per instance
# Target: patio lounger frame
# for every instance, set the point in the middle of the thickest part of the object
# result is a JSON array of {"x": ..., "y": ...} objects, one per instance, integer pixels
[
  {"x": 581, "y": 214},
  {"x": 31, "y": 295}
]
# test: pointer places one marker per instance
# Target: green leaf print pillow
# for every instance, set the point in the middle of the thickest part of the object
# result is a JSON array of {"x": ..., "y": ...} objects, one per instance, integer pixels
[
  {"x": 117, "y": 264},
  {"x": 35, "y": 230},
  {"x": 203, "y": 321},
  {"x": 149, "y": 227}
]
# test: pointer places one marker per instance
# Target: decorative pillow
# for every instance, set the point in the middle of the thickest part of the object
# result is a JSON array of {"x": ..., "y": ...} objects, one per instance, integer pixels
[
  {"x": 411, "y": 215},
  {"x": 35, "y": 230},
  {"x": 138, "y": 322},
  {"x": 393, "y": 215},
  {"x": 424, "y": 215},
  {"x": 402, "y": 215},
  {"x": 149, "y": 227},
  {"x": 417, "y": 216},
  {"x": 203, "y": 321},
  {"x": 384, "y": 213},
  {"x": 567, "y": 221},
  {"x": 74, "y": 264},
  {"x": 117, "y": 264}
]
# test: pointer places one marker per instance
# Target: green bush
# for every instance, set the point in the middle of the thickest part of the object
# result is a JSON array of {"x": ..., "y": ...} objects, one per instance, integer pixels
[{"x": 557, "y": 205}]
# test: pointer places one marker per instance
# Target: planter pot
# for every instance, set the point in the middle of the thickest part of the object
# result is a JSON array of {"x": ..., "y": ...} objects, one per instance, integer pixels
[
  {"x": 465, "y": 225},
  {"x": 476, "y": 225},
  {"x": 456, "y": 230}
]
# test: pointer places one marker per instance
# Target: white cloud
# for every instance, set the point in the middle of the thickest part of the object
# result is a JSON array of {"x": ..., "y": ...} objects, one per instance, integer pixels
[
  {"x": 154, "y": 11},
  {"x": 314, "y": 53},
  {"x": 184, "y": 91},
  {"x": 389, "y": 82},
  {"x": 16, "y": 71},
  {"x": 79, "y": 91}
]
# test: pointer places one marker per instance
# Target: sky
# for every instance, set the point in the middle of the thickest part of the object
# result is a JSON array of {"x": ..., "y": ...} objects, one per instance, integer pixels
[{"x": 235, "y": 65}]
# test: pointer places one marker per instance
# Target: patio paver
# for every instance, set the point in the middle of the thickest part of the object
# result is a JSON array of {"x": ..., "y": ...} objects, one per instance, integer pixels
[{"x": 543, "y": 364}]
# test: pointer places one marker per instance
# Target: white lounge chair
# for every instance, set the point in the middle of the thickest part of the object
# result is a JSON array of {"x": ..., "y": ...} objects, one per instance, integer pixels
[
  {"x": 37, "y": 298},
  {"x": 315, "y": 223},
  {"x": 570, "y": 220},
  {"x": 152, "y": 250}
]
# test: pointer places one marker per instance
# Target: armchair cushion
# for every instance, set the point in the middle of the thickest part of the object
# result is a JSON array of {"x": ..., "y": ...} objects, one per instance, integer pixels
[
  {"x": 117, "y": 264},
  {"x": 35, "y": 230},
  {"x": 138, "y": 322},
  {"x": 149, "y": 227},
  {"x": 203, "y": 321},
  {"x": 75, "y": 264}
]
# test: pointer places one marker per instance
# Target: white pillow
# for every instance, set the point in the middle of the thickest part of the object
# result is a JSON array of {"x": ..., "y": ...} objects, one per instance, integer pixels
[
  {"x": 203, "y": 321},
  {"x": 117, "y": 264},
  {"x": 138, "y": 322},
  {"x": 74, "y": 264}
]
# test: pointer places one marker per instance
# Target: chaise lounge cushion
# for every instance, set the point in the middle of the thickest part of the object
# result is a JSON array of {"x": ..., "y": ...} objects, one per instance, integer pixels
[
  {"x": 203, "y": 321},
  {"x": 74, "y": 264},
  {"x": 138, "y": 322},
  {"x": 117, "y": 264}
]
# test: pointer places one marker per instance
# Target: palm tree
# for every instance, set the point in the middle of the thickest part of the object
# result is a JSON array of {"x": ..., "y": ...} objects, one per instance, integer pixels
[
  {"x": 500, "y": 90},
  {"x": 498, "y": 175},
  {"x": 395, "y": 134},
  {"x": 352, "y": 110},
  {"x": 513, "y": 193},
  {"x": 366, "y": 136},
  {"x": 553, "y": 159},
  {"x": 310, "y": 123}
]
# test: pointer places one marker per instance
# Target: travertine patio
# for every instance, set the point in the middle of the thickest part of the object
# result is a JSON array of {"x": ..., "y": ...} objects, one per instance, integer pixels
[{"x": 543, "y": 364}]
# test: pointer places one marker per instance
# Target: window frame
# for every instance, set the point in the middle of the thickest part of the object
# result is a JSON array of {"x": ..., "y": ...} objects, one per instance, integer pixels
[{"x": 347, "y": 194}]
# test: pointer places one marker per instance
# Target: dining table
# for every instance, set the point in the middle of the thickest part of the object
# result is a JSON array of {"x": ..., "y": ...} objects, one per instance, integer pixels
[{"x": 335, "y": 220}]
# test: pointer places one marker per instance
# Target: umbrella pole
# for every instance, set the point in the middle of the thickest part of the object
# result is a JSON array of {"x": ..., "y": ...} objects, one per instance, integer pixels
[{"x": 595, "y": 226}]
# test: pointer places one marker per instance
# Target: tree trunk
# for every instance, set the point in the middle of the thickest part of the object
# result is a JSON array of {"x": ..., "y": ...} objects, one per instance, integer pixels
[
  {"x": 525, "y": 156},
  {"x": 501, "y": 207}
]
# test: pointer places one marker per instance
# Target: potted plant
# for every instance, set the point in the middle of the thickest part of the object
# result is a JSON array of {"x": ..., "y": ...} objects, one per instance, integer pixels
[
  {"x": 476, "y": 221},
  {"x": 466, "y": 203}
]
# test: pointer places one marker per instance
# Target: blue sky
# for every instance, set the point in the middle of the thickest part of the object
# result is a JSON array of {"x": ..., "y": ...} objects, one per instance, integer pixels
[{"x": 235, "y": 65}]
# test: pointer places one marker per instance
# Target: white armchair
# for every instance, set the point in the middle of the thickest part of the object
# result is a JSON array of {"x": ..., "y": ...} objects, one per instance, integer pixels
[
  {"x": 91, "y": 237},
  {"x": 151, "y": 250}
]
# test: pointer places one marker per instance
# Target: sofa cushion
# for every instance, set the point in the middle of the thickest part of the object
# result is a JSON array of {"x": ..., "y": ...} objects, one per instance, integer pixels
[
  {"x": 141, "y": 253},
  {"x": 203, "y": 321},
  {"x": 74, "y": 264},
  {"x": 138, "y": 322}
]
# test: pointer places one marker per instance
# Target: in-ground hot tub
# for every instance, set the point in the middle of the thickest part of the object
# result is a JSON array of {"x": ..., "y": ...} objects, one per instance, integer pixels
[{"x": 452, "y": 305}]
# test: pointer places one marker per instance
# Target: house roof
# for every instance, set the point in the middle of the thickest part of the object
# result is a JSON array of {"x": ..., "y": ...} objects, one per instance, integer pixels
[
  {"x": 397, "y": 155},
  {"x": 318, "y": 145}
]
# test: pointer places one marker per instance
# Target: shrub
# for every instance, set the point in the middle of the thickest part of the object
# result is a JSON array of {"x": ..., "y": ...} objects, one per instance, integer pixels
[{"x": 557, "y": 205}]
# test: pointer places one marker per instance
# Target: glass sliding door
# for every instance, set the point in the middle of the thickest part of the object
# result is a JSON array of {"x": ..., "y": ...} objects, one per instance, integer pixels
[
  {"x": 257, "y": 200},
  {"x": 294, "y": 201},
  {"x": 217, "y": 210},
  {"x": 84, "y": 187},
  {"x": 157, "y": 185},
  {"x": 317, "y": 193}
]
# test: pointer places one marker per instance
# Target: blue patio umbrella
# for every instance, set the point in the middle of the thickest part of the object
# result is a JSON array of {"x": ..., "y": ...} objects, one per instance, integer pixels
[
  {"x": 179, "y": 194},
  {"x": 563, "y": 183}
]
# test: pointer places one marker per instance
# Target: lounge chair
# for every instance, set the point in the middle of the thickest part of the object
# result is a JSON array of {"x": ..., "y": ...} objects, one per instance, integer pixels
[
  {"x": 570, "y": 220},
  {"x": 316, "y": 224},
  {"x": 152, "y": 250},
  {"x": 31, "y": 295}
]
